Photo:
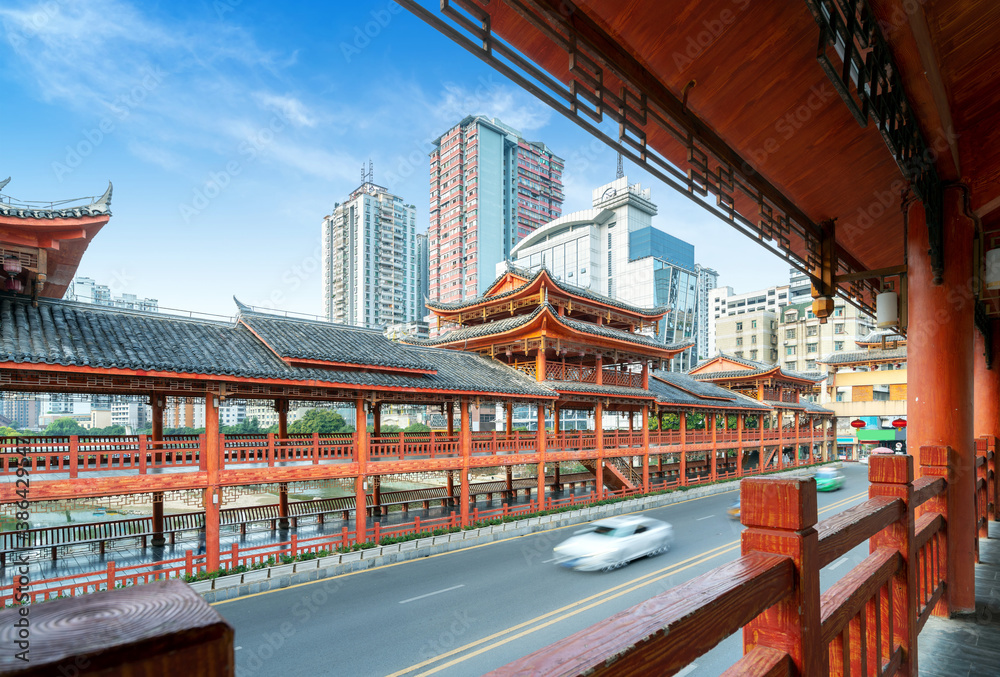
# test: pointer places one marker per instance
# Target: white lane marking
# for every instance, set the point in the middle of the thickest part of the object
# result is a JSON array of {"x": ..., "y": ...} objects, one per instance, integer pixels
[
  {"x": 698, "y": 520},
  {"x": 838, "y": 562},
  {"x": 431, "y": 594},
  {"x": 686, "y": 671},
  {"x": 550, "y": 560}
]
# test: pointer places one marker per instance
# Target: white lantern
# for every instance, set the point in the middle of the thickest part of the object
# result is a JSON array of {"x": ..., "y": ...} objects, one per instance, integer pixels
[
  {"x": 993, "y": 269},
  {"x": 886, "y": 309}
]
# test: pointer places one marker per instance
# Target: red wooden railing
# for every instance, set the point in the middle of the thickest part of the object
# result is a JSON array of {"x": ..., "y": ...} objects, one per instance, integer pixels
[{"x": 867, "y": 623}]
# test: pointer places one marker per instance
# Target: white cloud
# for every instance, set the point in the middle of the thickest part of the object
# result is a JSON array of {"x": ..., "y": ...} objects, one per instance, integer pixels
[
  {"x": 289, "y": 107},
  {"x": 512, "y": 106}
]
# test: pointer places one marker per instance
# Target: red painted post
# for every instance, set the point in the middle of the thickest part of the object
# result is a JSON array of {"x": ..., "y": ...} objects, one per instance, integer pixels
[
  {"x": 714, "y": 466},
  {"x": 142, "y": 454},
  {"x": 74, "y": 459},
  {"x": 210, "y": 461},
  {"x": 892, "y": 476},
  {"x": 188, "y": 563},
  {"x": 378, "y": 533},
  {"x": 234, "y": 556},
  {"x": 739, "y": 444},
  {"x": 294, "y": 547},
  {"x": 540, "y": 448},
  {"x": 111, "y": 575},
  {"x": 270, "y": 450},
  {"x": 599, "y": 467},
  {"x": 360, "y": 499},
  {"x": 938, "y": 461},
  {"x": 780, "y": 518},
  {"x": 797, "y": 450},
  {"x": 315, "y": 448}
]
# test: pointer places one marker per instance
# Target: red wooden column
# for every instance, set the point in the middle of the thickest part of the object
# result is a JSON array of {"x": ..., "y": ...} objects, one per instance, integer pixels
[
  {"x": 282, "y": 505},
  {"x": 939, "y": 402},
  {"x": 361, "y": 452},
  {"x": 156, "y": 404},
  {"x": 892, "y": 476},
  {"x": 645, "y": 448},
  {"x": 599, "y": 429},
  {"x": 761, "y": 455},
  {"x": 781, "y": 439},
  {"x": 465, "y": 446},
  {"x": 797, "y": 450},
  {"x": 281, "y": 406},
  {"x": 377, "y": 418},
  {"x": 986, "y": 384},
  {"x": 682, "y": 426},
  {"x": 510, "y": 417},
  {"x": 739, "y": 444},
  {"x": 541, "y": 456},
  {"x": 213, "y": 495},
  {"x": 714, "y": 466},
  {"x": 450, "y": 411},
  {"x": 780, "y": 517}
]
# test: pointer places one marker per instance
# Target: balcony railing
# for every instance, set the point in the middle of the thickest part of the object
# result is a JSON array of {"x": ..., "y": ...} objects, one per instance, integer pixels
[
  {"x": 867, "y": 623},
  {"x": 77, "y": 456}
]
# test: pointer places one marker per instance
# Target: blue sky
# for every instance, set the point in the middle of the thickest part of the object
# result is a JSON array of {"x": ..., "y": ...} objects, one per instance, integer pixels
[{"x": 231, "y": 127}]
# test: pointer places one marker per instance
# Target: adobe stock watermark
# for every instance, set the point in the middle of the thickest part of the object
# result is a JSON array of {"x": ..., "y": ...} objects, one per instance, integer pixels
[
  {"x": 121, "y": 108},
  {"x": 294, "y": 278},
  {"x": 786, "y": 127},
  {"x": 365, "y": 33},
  {"x": 250, "y": 149}
]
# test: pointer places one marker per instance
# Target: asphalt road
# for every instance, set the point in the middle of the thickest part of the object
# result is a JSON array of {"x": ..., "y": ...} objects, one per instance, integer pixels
[{"x": 473, "y": 610}]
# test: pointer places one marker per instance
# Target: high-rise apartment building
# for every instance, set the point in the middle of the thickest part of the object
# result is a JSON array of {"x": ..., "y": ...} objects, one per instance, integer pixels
[
  {"x": 725, "y": 303},
  {"x": 489, "y": 188},
  {"x": 370, "y": 260},
  {"x": 86, "y": 290},
  {"x": 804, "y": 339},
  {"x": 708, "y": 280},
  {"x": 22, "y": 411},
  {"x": 184, "y": 413},
  {"x": 752, "y": 336},
  {"x": 613, "y": 249}
]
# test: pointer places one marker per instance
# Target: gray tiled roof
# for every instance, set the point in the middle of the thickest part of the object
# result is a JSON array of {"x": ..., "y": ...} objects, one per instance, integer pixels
[
  {"x": 685, "y": 389},
  {"x": 508, "y": 323},
  {"x": 581, "y": 387},
  {"x": 99, "y": 207},
  {"x": 329, "y": 342},
  {"x": 876, "y": 336},
  {"x": 566, "y": 287},
  {"x": 755, "y": 368},
  {"x": 876, "y": 354},
  {"x": 79, "y": 334},
  {"x": 804, "y": 405}
]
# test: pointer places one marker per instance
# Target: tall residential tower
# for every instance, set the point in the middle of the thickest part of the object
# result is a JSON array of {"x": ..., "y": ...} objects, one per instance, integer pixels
[
  {"x": 370, "y": 260},
  {"x": 489, "y": 188}
]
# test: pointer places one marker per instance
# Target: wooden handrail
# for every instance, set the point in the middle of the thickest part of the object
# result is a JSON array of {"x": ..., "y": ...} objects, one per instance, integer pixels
[
  {"x": 926, "y": 526},
  {"x": 926, "y": 488},
  {"x": 664, "y": 634},
  {"x": 846, "y": 530},
  {"x": 762, "y": 661},
  {"x": 846, "y": 598}
]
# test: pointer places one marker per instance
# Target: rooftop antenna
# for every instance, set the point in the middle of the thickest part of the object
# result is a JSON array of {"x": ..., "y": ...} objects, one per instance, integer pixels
[
  {"x": 621, "y": 169},
  {"x": 371, "y": 171},
  {"x": 362, "y": 173}
]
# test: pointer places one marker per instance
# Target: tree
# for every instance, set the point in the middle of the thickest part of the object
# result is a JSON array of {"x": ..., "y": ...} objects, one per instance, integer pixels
[
  {"x": 418, "y": 428},
  {"x": 105, "y": 432},
  {"x": 65, "y": 426},
  {"x": 248, "y": 426},
  {"x": 320, "y": 421},
  {"x": 6, "y": 431}
]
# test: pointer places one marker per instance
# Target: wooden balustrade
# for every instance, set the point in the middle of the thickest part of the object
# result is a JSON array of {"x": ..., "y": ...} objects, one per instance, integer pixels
[{"x": 867, "y": 623}]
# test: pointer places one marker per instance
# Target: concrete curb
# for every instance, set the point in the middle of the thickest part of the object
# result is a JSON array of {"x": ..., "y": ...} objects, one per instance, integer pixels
[{"x": 285, "y": 575}]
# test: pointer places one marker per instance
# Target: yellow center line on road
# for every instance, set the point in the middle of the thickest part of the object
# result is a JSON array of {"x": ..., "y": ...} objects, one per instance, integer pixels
[{"x": 594, "y": 600}]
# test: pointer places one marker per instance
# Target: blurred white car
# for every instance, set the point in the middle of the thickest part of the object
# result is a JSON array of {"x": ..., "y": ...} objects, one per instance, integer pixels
[{"x": 614, "y": 542}]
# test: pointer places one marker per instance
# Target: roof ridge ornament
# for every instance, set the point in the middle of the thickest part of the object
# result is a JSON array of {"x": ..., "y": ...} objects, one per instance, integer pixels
[
  {"x": 104, "y": 200},
  {"x": 3, "y": 184},
  {"x": 243, "y": 308}
]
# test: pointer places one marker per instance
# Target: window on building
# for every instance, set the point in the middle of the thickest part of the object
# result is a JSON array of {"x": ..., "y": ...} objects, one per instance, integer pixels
[
  {"x": 739, "y": 326},
  {"x": 791, "y": 364},
  {"x": 838, "y": 345},
  {"x": 810, "y": 365},
  {"x": 753, "y": 354},
  {"x": 838, "y": 312},
  {"x": 840, "y": 396},
  {"x": 774, "y": 354},
  {"x": 789, "y": 333},
  {"x": 811, "y": 347},
  {"x": 753, "y": 339},
  {"x": 739, "y": 341},
  {"x": 753, "y": 324},
  {"x": 739, "y": 353},
  {"x": 838, "y": 328},
  {"x": 789, "y": 350},
  {"x": 812, "y": 331}
]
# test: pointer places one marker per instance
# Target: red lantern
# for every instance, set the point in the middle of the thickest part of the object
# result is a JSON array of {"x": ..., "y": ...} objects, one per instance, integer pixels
[
  {"x": 858, "y": 424},
  {"x": 15, "y": 285},
  {"x": 12, "y": 265},
  {"x": 899, "y": 423}
]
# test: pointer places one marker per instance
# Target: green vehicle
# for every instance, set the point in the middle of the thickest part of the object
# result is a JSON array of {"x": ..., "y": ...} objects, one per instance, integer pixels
[{"x": 828, "y": 479}]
